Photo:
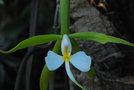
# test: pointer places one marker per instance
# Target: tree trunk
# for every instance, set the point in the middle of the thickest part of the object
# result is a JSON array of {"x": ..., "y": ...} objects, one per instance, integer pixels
[{"x": 113, "y": 63}]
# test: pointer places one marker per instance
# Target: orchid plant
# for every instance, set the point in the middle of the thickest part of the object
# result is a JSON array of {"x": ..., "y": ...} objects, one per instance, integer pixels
[
  {"x": 65, "y": 43},
  {"x": 80, "y": 60}
]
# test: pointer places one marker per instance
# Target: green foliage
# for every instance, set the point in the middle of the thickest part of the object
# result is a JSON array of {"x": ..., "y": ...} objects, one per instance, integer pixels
[
  {"x": 99, "y": 37},
  {"x": 44, "y": 78},
  {"x": 91, "y": 73},
  {"x": 36, "y": 40},
  {"x": 75, "y": 46}
]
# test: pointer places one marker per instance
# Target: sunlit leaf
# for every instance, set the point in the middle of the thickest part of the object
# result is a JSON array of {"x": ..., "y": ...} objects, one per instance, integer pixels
[
  {"x": 36, "y": 40},
  {"x": 99, "y": 37}
]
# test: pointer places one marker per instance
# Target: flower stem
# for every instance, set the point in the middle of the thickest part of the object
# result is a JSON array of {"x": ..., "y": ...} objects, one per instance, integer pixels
[{"x": 65, "y": 16}]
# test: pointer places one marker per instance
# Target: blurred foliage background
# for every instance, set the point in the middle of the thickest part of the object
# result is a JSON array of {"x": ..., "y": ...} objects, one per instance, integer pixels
[{"x": 14, "y": 27}]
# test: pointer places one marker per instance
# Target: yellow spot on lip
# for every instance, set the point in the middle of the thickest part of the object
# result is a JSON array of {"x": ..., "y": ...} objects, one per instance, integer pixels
[{"x": 66, "y": 57}]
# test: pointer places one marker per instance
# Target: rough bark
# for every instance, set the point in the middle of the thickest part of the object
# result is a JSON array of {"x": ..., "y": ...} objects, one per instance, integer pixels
[{"x": 113, "y": 63}]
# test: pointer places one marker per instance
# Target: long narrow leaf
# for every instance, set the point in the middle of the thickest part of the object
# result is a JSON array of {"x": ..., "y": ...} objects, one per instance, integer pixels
[
  {"x": 99, "y": 37},
  {"x": 44, "y": 78},
  {"x": 36, "y": 40}
]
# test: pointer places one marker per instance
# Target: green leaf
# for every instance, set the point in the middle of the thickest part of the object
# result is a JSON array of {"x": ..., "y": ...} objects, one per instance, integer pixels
[
  {"x": 91, "y": 73},
  {"x": 75, "y": 46},
  {"x": 44, "y": 78},
  {"x": 99, "y": 37},
  {"x": 36, "y": 40}
]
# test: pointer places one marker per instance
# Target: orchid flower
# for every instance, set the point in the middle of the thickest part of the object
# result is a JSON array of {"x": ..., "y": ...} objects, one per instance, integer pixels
[{"x": 79, "y": 60}]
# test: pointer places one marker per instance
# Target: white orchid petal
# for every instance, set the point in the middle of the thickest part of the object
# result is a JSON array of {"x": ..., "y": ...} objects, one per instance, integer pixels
[
  {"x": 53, "y": 61},
  {"x": 81, "y": 61},
  {"x": 66, "y": 44},
  {"x": 70, "y": 75}
]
